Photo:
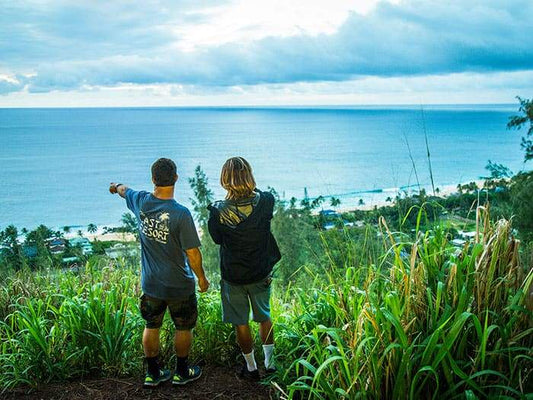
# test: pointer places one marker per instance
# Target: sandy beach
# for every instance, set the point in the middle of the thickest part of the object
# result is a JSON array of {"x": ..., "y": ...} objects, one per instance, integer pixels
[{"x": 380, "y": 199}]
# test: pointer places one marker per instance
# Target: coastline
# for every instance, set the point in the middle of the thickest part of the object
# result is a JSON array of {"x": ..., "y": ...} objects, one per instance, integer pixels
[
  {"x": 349, "y": 202},
  {"x": 379, "y": 199}
]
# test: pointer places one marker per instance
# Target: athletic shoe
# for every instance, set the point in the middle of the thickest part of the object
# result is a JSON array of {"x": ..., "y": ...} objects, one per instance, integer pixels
[
  {"x": 271, "y": 370},
  {"x": 151, "y": 381},
  {"x": 193, "y": 373},
  {"x": 250, "y": 375}
]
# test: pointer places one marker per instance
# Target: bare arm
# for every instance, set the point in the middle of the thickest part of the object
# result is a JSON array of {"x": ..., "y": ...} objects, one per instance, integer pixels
[
  {"x": 195, "y": 261},
  {"x": 119, "y": 188}
]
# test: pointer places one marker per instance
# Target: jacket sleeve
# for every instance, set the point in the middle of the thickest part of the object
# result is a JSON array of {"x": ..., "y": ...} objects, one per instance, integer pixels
[
  {"x": 213, "y": 225},
  {"x": 270, "y": 205}
]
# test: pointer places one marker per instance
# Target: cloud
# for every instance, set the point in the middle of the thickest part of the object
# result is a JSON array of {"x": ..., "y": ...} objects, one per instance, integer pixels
[{"x": 113, "y": 45}]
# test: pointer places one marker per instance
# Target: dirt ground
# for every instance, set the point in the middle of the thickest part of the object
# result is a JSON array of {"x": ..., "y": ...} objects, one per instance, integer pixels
[{"x": 215, "y": 383}]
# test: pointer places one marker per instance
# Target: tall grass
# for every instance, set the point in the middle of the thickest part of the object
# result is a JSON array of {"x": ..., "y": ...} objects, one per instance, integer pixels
[
  {"x": 427, "y": 321},
  {"x": 375, "y": 315}
]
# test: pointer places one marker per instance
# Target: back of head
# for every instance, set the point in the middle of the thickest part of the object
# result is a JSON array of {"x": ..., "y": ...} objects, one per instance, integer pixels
[
  {"x": 237, "y": 178},
  {"x": 164, "y": 172}
]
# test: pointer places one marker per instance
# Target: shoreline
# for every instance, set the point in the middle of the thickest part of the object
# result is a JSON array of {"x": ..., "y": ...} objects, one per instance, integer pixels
[
  {"x": 349, "y": 202},
  {"x": 380, "y": 199}
]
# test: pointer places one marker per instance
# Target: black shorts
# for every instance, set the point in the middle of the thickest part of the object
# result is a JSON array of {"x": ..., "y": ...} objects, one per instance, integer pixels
[{"x": 184, "y": 312}]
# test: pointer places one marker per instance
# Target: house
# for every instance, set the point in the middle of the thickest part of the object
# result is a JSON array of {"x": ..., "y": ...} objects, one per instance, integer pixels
[
  {"x": 83, "y": 243},
  {"x": 57, "y": 245},
  {"x": 328, "y": 213}
]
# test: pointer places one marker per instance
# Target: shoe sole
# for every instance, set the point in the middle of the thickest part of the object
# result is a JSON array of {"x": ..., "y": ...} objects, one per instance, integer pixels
[
  {"x": 187, "y": 381},
  {"x": 151, "y": 385}
]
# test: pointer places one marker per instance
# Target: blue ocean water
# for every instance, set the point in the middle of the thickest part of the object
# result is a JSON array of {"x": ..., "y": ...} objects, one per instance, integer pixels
[{"x": 56, "y": 164}]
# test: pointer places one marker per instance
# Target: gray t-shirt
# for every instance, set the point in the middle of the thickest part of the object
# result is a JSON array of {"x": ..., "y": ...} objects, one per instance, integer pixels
[{"x": 166, "y": 230}]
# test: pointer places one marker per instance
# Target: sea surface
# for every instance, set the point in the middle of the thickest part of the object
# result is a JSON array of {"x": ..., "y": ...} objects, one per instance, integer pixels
[{"x": 56, "y": 164}]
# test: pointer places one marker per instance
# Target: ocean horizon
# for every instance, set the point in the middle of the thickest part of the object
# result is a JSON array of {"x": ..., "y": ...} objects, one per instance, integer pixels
[{"x": 56, "y": 163}]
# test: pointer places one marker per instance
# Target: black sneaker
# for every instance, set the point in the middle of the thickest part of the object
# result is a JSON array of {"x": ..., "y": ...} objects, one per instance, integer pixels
[
  {"x": 193, "y": 373},
  {"x": 151, "y": 381},
  {"x": 271, "y": 370},
  {"x": 250, "y": 375}
]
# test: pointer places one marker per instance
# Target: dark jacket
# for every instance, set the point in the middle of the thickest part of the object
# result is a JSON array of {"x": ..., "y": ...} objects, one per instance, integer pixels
[{"x": 248, "y": 250}]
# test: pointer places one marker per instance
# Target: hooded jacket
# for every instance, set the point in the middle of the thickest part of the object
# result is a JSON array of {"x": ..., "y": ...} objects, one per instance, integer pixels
[{"x": 248, "y": 250}]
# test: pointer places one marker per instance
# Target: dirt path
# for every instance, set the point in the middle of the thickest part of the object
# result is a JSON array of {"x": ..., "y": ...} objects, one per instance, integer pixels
[{"x": 216, "y": 383}]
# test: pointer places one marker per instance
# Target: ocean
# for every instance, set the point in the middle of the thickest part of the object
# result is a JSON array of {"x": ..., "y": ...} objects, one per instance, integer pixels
[{"x": 56, "y": 164}]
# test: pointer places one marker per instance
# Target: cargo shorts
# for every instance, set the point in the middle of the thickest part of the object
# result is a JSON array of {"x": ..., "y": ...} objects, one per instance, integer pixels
[
  {"x": 237, "y": 300},
  {"x": 184, "y": 312}
]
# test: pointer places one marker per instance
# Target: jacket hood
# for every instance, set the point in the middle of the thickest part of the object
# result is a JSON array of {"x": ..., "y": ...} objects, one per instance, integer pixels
[{"x": 233, "y": 212}]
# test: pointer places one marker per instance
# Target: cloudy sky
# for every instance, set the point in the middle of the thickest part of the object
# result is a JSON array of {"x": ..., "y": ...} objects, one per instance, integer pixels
[{"x": 272, "y": 52}]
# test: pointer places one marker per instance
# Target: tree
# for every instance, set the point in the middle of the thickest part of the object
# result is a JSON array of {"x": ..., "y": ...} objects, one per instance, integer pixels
[
  {"x": 335, "y": 202},
  {"x": 521, "y": 195},
  {"x": 38, "y": 240},
  {"x": 92, "y": 228},
  {"x": 317, "y": 202},
  {"x": 523, "y": 120},
  {"x": 203, "y": 196},
  {"x": 129, "y": 224},
  {"x": 497, "y": 171},
  {"x": 11, "y": 252}
]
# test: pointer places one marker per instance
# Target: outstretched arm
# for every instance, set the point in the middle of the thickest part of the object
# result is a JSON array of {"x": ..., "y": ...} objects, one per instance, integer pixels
[
  {"x": 119, "y": 188},
  {"x": 195, "y": 262}
]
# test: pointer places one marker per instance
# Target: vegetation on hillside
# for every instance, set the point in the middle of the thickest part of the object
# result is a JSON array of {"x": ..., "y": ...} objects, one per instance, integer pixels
[{"x": 385, "y": 304}]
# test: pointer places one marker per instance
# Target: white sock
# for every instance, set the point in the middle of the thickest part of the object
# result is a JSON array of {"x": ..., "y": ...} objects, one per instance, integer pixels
[
  {"x": 250, "y": 361},
  {"x": 268, "y": 349}
]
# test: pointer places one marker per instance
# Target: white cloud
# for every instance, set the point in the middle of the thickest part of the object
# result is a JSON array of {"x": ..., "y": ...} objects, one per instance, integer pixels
[
  {"x": 245, "y": 21},
  {"x": 458, "y": 88},
  {"x": 338, "y": 52}
]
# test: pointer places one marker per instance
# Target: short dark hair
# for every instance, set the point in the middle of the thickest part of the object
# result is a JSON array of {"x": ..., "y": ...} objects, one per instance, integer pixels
[{"x": 164, "y": 172}]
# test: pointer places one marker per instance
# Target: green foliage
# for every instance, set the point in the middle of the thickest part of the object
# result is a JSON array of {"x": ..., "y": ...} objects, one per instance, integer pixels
[
  {"x": 203, "y": 196},
  {"x": 522, "y": 204},
  {"x": 335, "y": 202},
  {"x": 297, "y": 238},
  {"x": 11, "y": 253},
  {"x": 37, "y": 239},
  {"x": 425, "y": 322},
  {"x": 498, "y": 171},
  {"x": 129, "y": 224},
  {"x": 523, "y": 120},
  {"x": 380, "y": 316}
]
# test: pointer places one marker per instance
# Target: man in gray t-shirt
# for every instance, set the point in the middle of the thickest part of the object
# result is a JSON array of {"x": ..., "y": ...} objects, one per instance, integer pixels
[{"x": 170, "y": 254}]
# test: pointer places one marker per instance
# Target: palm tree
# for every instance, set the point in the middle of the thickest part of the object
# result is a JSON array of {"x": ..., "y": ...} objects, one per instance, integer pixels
[
  {"x": 335, "y": 202},
  {"x": 92, "y": 228}
]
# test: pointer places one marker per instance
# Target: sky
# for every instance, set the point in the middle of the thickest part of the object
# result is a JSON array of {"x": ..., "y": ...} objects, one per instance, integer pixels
[{"x": 276, "y": 52}]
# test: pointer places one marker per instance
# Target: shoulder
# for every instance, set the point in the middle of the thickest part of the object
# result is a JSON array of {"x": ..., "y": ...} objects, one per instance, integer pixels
[
  {"x": 217, "y": 206},
  {"x": 267, "y": 197},
  {"x": 181, "y": 210},
  {"x": 136, "y": 196}
]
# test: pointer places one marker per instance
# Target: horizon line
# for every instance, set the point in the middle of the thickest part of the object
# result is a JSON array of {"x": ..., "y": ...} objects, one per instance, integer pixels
[{"x": 266, "y": 106}]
